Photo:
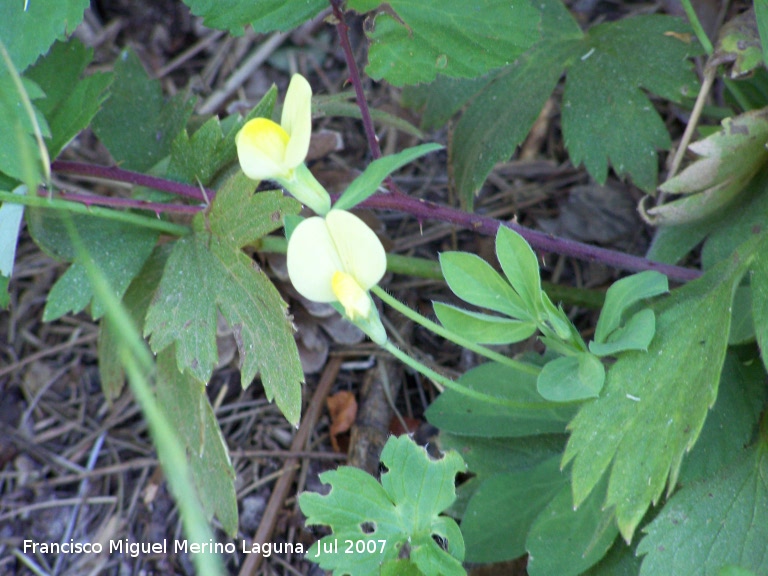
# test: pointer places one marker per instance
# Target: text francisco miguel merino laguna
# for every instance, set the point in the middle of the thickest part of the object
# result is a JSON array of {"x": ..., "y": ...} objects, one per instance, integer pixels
[{"x": 136, "y": 549}]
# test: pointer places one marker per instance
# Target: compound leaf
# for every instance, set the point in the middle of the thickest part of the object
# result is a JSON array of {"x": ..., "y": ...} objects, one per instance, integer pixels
[
  {"x": 411, "y": 42},
  {"x": 482, "y": 328},
  {"x": 615, "y": 57},
  {"x": 70, "y": 101},
  {"x": 29, "y": 28},
  {"x": 199, "y": 158},
  {"x": 382, "y": 518},
  {"x": 118, "y": 250},
  {"x": 654, "y": 404},
  {"x": 722, "y": 520},
  {"x": 208, "y": 270}
]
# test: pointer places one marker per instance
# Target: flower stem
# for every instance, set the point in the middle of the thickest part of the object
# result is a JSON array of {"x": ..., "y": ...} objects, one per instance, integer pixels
[
  {"x": 452, "y": 336},
  {"x": 78, "y": 208},
  {"x": 455, "y": 386}
]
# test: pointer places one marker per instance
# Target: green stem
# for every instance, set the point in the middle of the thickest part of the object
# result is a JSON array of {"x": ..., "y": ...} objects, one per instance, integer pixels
[
  {"x": 448, "y": 335},
  {"x": 455, "y": 386},
  {"x": 99, "y": 212},
  {"x": 698, "y": 29}
]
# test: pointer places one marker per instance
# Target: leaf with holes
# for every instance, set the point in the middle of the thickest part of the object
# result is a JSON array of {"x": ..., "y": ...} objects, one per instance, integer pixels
[{"x": 377, "y": 520}]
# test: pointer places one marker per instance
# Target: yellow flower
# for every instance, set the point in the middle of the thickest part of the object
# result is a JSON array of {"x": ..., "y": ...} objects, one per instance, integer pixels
[
  {"x": 338, "y": 258},
  {"x": 271, "y": 151}
]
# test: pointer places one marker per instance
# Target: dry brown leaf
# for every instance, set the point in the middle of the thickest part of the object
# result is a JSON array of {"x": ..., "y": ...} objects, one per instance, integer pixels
[{"x": 342, "y": 408}]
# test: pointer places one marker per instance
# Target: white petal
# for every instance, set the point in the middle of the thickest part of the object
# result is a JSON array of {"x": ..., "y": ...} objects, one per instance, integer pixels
[
  {"x": 359, "y": 249},
  {"x": 312, "y": 260},
  {"x": 297, "y": 120}
]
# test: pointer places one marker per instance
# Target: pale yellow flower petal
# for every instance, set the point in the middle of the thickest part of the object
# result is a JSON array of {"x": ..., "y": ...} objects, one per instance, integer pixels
[
  {"x": 261, "y": 149},
  {"x": 356, "y": 302},
  {"x": 358, "y": 247},
  {"x": 296, "y": 120},
  {"x": 313, "y": 260}
]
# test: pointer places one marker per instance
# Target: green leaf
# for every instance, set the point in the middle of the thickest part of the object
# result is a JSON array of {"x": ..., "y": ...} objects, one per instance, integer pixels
[
  {"x": 441, "y": 99},
  {"x": 503, "y": 509},
  {"x": 184, "y": 400},
  {"x": 117, "y": 249},
  {"x": 136, "y": 124},
  {"x": 571, "y": 378},
  {"x": 502, "y": 114},
  {"x": 136, "y": 302},
  {"x": 761, "y": 19},
  {"x": 207, "y": 270},
  {"x": 617, "y": 123},
  {"x": 335, "y": 105},
  {"x": 368, "y": 182},
  {"x": 654, "y": 404},
  {"x": 520, "y": 265},
  {"x": 636, "y": 334},
  {"x": 729, "y": 159},
  {"x": 457, "y": 413},
  {"x": 759, "y": 288},
  {"x": 413, "y": 42},
  {"x": 738, "y": 44},
  {"x": 200, "y": 158},
  {"x": 28, "y": 28},
  {"x": 623, "y": 295},
  {"x": 10, "y": 222},
  {"x": 731, "y": 423},
  {"x": 566, "y": 541},
  {"x": 474, "y": 280},
  {"x": 482, "y": 328},
  {"x": 404, "y": 508},
  {"x": 620, "y": 561},
  {"x": 722, "y": 520},
  {"x": 262, "y": 15},
  {"x": 70, "y": 101},
  {"x": 22, "y": 156}
]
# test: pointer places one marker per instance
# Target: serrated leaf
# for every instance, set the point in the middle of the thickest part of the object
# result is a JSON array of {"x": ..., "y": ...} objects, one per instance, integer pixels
[
  {"x": 730, "y": 424},
  {"x": 207, "y": 270},
  {"x": 28, "y": 28},
  {"x": 118, "y": 250},
  {"x": 500, "y": 116},
  {"x": 654, "y": 404},
  {"x": 729, "y": 160},
  {"x": 636, "y": 334},
  {"x": 474, "y": 280},
  {"x": 262, "y": 15},
  {"x": 201, "y": 157},
  {"x": 413, "y": 42},
  {"x": 566, "y": 541},
  {"x": 184, "y": 400},
  {"x": 404, "y": 508},
  {"x": 520, "y": 266},
  {"x": 615, "y": 57},
  {"x": 376, "y": 172},
  {"x": 499, "y": 515},
  {"x": 70, "y": 101},
  {"x": 482, "y": 328},
  {"x": 457, "y": 413},
  {"x": 135, "y": 123},
  {"x": 722, "y": 520},
  {"x": 623, "y": 295},
  {"x": 571, "y": 378}
]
